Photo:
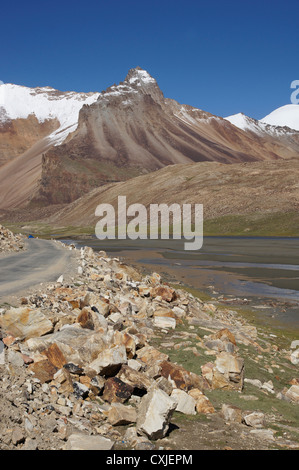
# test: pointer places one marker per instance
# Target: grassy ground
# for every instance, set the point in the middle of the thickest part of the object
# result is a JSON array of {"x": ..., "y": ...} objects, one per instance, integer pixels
[
  {"x": 281, "y": 416},
  {"x": 249, "y": 225},
  {"x": 275, "y": 224}
]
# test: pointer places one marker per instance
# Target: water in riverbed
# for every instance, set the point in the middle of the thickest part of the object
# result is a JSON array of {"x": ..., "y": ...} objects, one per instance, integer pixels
[{"x": 260, "y": 269}]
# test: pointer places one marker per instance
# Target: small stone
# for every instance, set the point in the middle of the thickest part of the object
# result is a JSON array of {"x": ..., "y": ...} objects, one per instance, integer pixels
[
  {"x": 231, "y": 414},
  {"x": 110, "y": 360},
  {"x": 17, "y": 436},
  {"x": 164, "y": 292},
  {"x": 182, "y": 378},
  {"x": 55, "y": 356},
  {"x": 73, "y": 368},
  {"x": 293, "y": 393},
  {"x": 255, "y": 419},
  {"x": 295, "y": 357},
  {"x": 80, "y": 390},
  {"x": 136, "y": 379},
  {"x": 30, "y": 444},
  {"x": 263, "y": 434}
]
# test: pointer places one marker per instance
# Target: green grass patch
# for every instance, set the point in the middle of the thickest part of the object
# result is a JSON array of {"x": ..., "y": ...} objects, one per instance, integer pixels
[{"x": 275, "y": 224}]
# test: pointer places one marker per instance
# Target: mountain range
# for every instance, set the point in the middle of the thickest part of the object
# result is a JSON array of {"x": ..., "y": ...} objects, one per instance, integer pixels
[{"x": 55, "y": 146}]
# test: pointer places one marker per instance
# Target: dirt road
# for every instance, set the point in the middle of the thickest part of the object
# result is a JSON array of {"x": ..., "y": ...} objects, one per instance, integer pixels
[{"x": 43, "y": 261}]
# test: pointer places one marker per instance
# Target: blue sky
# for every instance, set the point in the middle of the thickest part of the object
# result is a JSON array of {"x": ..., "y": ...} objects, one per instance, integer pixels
[{"x": 221, "y": 56}]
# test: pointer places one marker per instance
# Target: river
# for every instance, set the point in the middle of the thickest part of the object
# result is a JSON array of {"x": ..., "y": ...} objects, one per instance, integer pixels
[{"x": 262, "y": 272}]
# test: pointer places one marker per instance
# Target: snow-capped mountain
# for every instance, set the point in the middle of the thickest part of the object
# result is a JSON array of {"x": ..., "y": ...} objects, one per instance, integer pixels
[
  {"x": 46, "y": 103},
  {"x": 283, "y": 120},
  {"x": 287, "y": 115},
  {"x": 60, "y": 145}
]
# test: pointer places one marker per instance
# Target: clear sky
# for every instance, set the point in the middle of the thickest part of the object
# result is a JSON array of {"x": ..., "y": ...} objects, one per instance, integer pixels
[{"x": 223, "y": 56}]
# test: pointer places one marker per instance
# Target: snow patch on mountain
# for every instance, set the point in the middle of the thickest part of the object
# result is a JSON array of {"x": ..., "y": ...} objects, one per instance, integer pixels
[
  {"x": 287, "y": 115},
  {"x": 19, "y": 102},
  {"x": 246, "y": 123}
]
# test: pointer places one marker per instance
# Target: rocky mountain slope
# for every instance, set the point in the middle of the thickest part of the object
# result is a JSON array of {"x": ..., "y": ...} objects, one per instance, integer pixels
[{"x": 127, "y": 130}]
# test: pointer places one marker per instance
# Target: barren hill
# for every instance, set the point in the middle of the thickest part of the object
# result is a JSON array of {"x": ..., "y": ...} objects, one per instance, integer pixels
[{"x": 256, "y": 190}]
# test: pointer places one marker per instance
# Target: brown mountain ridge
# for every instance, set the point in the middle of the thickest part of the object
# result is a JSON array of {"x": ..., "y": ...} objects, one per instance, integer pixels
[{"x": 130, "y": 130}]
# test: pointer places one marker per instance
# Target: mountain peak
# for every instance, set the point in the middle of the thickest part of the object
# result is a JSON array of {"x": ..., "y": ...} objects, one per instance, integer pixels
[
  {"x": 287, "y": 115},
  {"x": 139, "y": 76},
  {"x": 140, "y": 80}
]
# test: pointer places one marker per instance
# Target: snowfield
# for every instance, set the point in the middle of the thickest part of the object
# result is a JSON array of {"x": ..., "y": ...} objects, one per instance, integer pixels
[
  {"x": 18, "y": 102},
  {"x": 287, "y": 115}
]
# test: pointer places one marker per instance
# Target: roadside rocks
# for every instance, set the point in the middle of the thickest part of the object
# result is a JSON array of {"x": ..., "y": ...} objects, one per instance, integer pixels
[
  {"x": 82, "y": 360},
  {"x": 25, "y": 323},
  {"x": 10, "y": 242}
]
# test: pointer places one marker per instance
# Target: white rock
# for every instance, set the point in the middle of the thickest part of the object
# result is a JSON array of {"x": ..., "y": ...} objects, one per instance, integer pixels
[
  {"x": 154, "y": 413},
  {"x": 255, "y": 419},
  {"x": 185, "y": 403},
  {"x": 295, "y": 357},
  {"x": 85, "y": 442},
  {"x": 179, "y": 311},
  {"x": 134, "y": 364},
  {"x": 165, "y": 322},
  {"x": 293, "y": 393},
  {"x": 109, "y": 359},
  {"x": 265, "y": 434},
  {"x": 268, "y": 386},
  {"x": 255, "y": 382}
]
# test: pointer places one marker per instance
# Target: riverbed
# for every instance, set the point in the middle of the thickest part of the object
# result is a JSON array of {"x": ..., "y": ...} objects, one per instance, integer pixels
[{"x": 262, "y": 272}]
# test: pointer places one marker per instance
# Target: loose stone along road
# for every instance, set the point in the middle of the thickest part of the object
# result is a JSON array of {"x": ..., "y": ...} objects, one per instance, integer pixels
[{"x": 42, "y": 261}]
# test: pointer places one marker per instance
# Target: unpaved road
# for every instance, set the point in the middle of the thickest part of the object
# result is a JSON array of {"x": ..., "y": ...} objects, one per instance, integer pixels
[{"x": 43, "y": 261}]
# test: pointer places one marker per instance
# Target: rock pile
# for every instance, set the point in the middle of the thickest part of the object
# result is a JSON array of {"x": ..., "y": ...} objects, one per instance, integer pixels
[
  {"x": 9, "y": 241},
  {"x": 79, "y": 368}
]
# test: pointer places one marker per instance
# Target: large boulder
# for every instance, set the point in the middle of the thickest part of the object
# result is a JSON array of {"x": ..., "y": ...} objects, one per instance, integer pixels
[
  {"x": 182, "y": 378},
  {"x": 154, "y": 414},
  {"x": 25, "y": 323},
  {"x": 227, "y": 373}
]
